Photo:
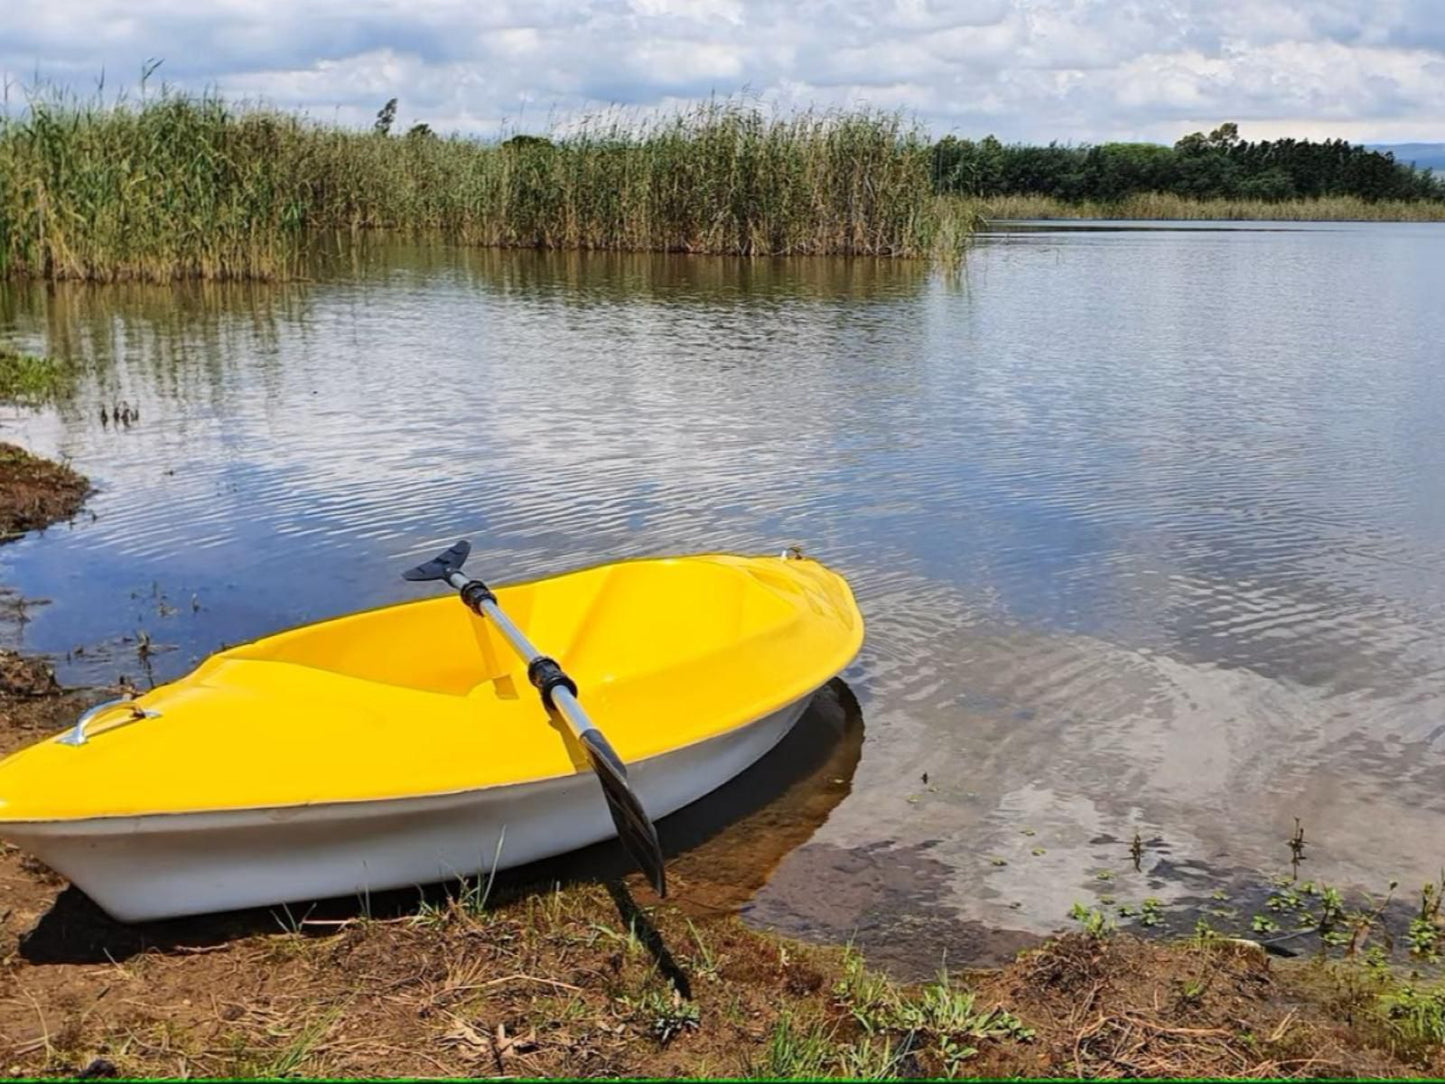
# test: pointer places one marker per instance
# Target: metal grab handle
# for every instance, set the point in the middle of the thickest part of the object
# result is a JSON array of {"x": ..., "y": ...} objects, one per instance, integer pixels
[{"x": 76, "y": 735}]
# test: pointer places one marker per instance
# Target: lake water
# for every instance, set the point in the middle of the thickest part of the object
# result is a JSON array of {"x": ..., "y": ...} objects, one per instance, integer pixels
[{"x": 1148, "y": 526}]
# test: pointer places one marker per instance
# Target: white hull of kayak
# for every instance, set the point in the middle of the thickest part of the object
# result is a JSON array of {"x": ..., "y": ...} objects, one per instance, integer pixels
[{"x": 166, "y": 865}]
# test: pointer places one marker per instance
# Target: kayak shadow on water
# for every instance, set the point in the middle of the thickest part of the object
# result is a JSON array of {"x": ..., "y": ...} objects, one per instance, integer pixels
[{"x": 721, "y": 849}]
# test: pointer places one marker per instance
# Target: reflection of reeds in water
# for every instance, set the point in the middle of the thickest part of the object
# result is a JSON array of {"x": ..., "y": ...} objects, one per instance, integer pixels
[
  {"x": 606, "y": 274},
  {"x": 669, "y": 278},
  {"x": 178, "y": 187},
  {"x": 184, "y": 337}
]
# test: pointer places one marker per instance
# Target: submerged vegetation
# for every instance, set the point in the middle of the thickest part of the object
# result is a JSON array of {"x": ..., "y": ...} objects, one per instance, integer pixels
[{"x": 173, "y": 186}]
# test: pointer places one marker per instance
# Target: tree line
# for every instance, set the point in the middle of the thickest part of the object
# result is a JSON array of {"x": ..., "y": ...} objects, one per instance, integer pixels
[{"x": 1199, "y": 166}]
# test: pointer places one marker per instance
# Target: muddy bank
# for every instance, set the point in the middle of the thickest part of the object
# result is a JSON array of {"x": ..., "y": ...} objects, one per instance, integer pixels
[{"x": 35, "y": 492}]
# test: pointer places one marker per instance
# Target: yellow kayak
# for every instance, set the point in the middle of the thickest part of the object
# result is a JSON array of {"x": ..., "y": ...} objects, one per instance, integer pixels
[{"x": 404, "y": 745}]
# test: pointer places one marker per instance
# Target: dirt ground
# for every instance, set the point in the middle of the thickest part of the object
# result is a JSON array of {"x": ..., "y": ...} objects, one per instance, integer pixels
[
  {"x": 601, "y": 980},
  {"x": 574, "y": 969}
]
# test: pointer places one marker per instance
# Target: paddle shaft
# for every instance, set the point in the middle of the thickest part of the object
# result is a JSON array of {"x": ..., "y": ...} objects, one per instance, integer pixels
[
  {"x": 559, "y": 693},
  {"x": 562, "y": 698}
]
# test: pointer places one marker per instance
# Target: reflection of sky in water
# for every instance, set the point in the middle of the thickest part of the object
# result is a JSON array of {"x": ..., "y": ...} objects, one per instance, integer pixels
[{"x": 1148, "y": 527}]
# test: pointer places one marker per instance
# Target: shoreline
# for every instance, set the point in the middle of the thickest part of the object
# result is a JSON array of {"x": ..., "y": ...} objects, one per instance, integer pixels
[
  {"x": 962, "y": 219},
  {"x": 1155, "y": 207},
  {"x": 598, "y": 977},
  {"x": 602, "y": 979},
  {"x": 957, "y": 221}
]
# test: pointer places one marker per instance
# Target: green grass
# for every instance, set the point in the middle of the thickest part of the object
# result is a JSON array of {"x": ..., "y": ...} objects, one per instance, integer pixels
[
  {"x": 291, "y": 1053},
  {"x": 816, "y": 1051},
  {"x": 25, "y": 378},
  {"x": 797, "y": 1052},
  {"x": 175, "y": 186},
  {"x": 939, "y": 1017},
  {"x": 1158, "y": 205},
  {"x": 1416, "y": 1013}
]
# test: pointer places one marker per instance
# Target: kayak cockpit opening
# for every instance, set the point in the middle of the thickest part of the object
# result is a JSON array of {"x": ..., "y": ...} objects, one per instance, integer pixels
[{"x": 608, "y": 624}]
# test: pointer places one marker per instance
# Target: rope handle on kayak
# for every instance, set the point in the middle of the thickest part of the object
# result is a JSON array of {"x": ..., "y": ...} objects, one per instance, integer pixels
[{"x": 76, "y": 735}]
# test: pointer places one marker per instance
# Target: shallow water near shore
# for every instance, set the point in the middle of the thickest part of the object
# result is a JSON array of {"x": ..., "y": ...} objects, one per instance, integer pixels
[{"x": 1148, "y": 526}]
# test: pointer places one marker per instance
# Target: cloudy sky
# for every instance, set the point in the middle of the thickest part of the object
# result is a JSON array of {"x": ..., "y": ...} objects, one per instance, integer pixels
[{"x": 1076, "y": 70}]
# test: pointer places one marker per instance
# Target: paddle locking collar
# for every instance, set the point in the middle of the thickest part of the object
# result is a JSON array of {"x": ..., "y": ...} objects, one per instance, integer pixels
[
  {"x": 547, "y": 675},
  {"x": 475, "y": 593}
]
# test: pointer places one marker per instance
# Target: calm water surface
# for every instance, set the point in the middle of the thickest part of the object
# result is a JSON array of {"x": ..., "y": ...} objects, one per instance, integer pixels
[{"x": 1148, "y": 526}]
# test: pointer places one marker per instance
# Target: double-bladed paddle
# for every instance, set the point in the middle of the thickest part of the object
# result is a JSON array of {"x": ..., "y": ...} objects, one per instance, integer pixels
[{"x": 559, "y": 694}]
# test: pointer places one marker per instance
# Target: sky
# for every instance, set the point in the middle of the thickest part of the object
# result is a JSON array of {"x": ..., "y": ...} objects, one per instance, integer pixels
[{"x": 1026, "y": 70}]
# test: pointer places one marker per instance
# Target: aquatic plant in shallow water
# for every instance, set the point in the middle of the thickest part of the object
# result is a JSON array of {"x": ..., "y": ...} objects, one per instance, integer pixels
[{"x": 29, "y": 379}]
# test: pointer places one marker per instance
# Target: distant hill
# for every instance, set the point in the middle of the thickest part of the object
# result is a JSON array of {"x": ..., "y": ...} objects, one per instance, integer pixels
[{"x": 1421, "y": 155}]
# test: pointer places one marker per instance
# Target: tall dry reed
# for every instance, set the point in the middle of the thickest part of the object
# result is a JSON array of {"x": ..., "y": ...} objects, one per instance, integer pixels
[{"x": 176, "y": 186}]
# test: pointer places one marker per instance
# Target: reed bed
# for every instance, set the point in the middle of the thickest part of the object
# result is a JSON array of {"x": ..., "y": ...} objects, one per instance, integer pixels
[
  {"x": 181, "y": 186},
  {"x": 1160, "y": 205}
]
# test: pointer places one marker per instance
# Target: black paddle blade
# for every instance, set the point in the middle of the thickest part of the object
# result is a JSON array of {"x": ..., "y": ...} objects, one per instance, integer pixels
[
  {"x": 442, "y": 565},
  {"x": 634, "y": 827}
]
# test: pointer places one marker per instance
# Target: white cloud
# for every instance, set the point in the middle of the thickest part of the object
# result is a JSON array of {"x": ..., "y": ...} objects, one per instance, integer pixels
[{"x": 1025, "y": 69}]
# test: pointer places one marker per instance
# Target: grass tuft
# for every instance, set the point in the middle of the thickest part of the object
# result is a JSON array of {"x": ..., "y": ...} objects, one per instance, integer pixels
[{"x": 1417, "y": 1014}]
